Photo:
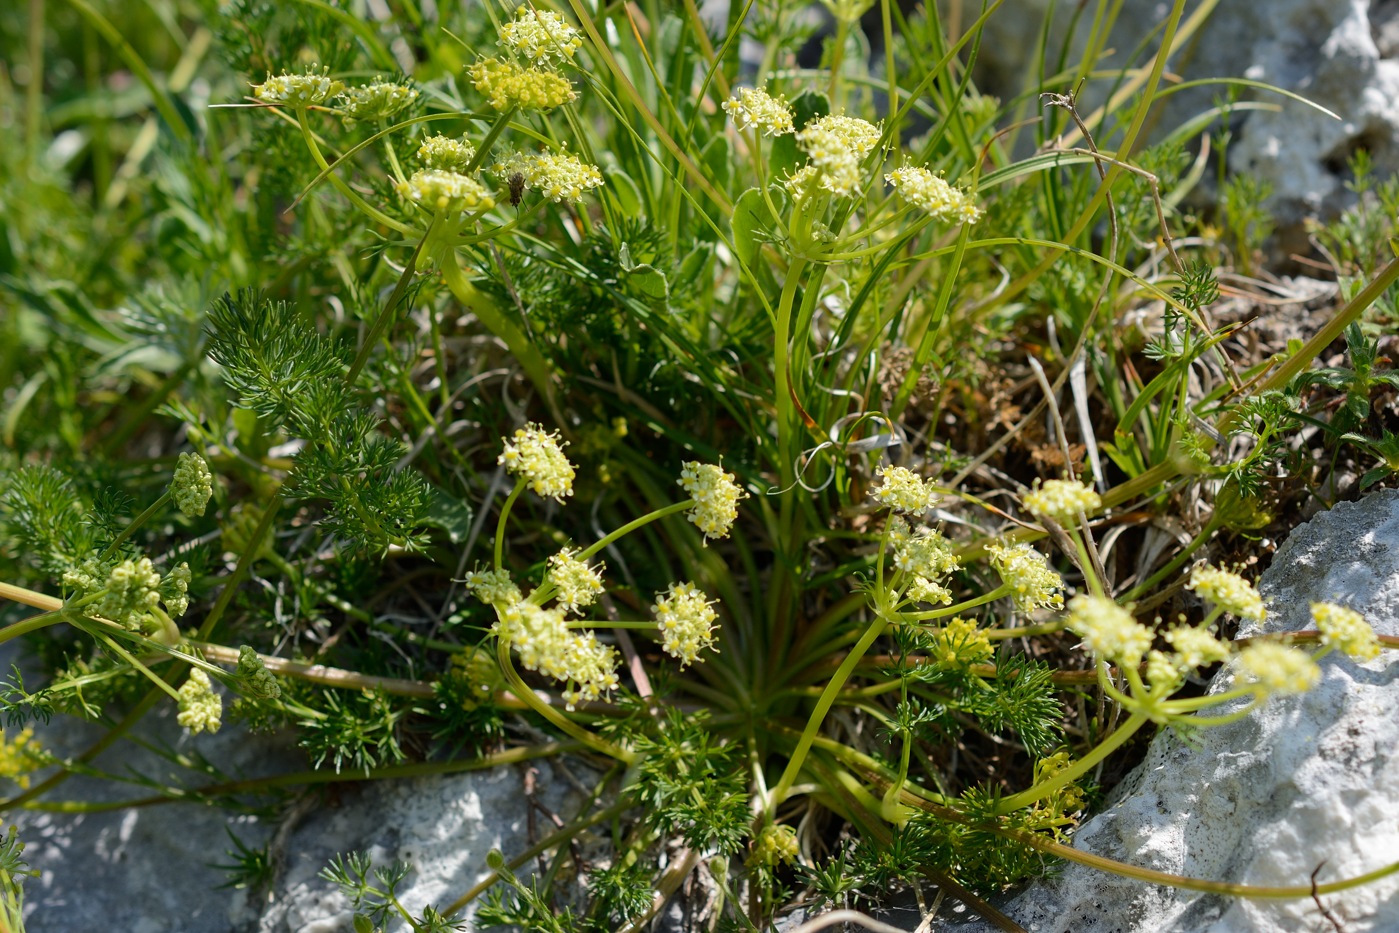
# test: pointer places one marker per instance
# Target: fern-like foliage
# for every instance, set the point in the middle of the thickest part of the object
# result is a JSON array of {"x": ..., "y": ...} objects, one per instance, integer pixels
[{"x": 293, "y": 377}]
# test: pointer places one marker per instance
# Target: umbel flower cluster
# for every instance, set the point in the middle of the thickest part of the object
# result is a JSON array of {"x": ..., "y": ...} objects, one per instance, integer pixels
[
  {"x": 535, "y": 45},
  {"x": 1263, "y": 668},
  {"x": 542, "y": 636},
  {"x": 557, "y": 175},
  {"x": 837, "y": 146}
]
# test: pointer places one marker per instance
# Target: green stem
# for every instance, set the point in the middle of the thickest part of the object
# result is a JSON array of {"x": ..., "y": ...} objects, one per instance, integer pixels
[
  {"x": 484, "y": 149},
  {"x": 559, "y": 720},
  {"x": 131, "y": 659},
  {"x": 32, "y": 624},
  {"x": 1076, "y": 770},
  {"x": 904, "y": 617},
  {"x": 499, "y": 553},
  {"x": 633, "y": 525},
  {"x": 136, "y": 523},
  {"x": 818, "y": 715},
  {"x": 494, "y": 318},
  {"x": 785, "y": 407},
  {"x": 34, "y": 93},
  {"x": 386, "y": 315},
  {"x": 373, "y": 212}
]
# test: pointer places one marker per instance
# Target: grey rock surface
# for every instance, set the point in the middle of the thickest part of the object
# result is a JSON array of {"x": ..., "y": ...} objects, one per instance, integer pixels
[
  {"x": 1302, "y": 782},
  {"x": 153, "y": 869},
  {"x": 1340, "y": 54}
]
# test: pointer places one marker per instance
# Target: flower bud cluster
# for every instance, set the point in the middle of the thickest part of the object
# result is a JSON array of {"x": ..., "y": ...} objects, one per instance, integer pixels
[
  {"x": 254, "y": 677},
  {"x": 508, "y": 86},
  {"x": 903, "y": 490},
  {"x": 576, "y": 584},
  {"x": 1061, "y": 501},
  {"x": 686, "y": 621},
  {"x": 476, "y": 669},
  {"x": 776, "y": 844},
  {"x": 310, "y": 89},
  {"x": 924, "y": 553},
  {"x": 201, "y": 709},
  {"x": 439, "y": 191},
  {"x": 378, "y": 100},
  {"x": 752, "y": 108},
  {"x": 1108, "y": 630},
  {"x": 1033, "y": 583},
  {"x": 192, "y": 485},
  {"x": 537, "y": 456},
  {"x": 557, "y": 175},
  {"x": 926, "y": 557},
  {"x": 932, "y": 194},
  {"x": 132, "y": 592},
  {"x": 1347, "y": 630},
  {"x": 20, "y": 755},
  {"x": 1229, "y": 591},
  {"x": 1195, "y": 647},
  {"x": 959, "y": 643},
  {"x": 174, "y": 590},
  {"x": 715, "y": 496},
  {"x": 446, "y": 154},
  {"x": 492, "y": 587}
]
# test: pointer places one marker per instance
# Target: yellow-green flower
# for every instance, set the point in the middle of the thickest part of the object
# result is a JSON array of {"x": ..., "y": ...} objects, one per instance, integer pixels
[
  {"x": 310, "y": 89},
  {"x": 836, "y": 145},
  {"x": 557, "y": 175},
  {"x": 930, "y": 193},
  {"x": 1229, "y": 591},
  {"x": 508, "y": 86},
  {"x": 446, "y": 154},
  {"x": 1196, "y": 647},
  {"x": 1347, "y": 630},
  {"x": 1274, "y": 668},
  {"x": 902, "y": 490},
  {"x": 686, "y": 621},
  {"x": 715, "y": 496},
  {"x": 1108, "y": 630},
  {"x": 439, "y": 190},
  {"x": 20, "y": 755},
  {"x": 1033, "y": 583},
  {"x": 492, "y": 587},
  {"x": 576, "y": 584},
  {"x": 960, "y": 642},
  {"x": 540, "y": 36},
  {"x": 1061, "y": 500},
  {"x": 753, "y": 108},
  {"x": 537, "y": 456},
  {"x": 376, "y": 101},
  {"x": 201, "y": 709}
]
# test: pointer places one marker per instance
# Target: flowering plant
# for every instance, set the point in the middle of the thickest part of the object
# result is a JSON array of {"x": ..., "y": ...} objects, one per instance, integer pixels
[{"x": 609, "y": 381}]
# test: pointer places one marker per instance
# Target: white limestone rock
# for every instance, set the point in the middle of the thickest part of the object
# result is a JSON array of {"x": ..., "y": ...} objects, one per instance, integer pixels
[
  {"x": 1302, "y": 782},
  {"x": 1340, "y": 54}
]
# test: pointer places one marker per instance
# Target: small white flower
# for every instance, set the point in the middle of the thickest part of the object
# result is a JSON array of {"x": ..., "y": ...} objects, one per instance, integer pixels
[
  {"x": 1229, "y": 591},
  {"x": 537, "y": 456},
  {"x": 686, "y": 621},
  {"x": 715, "y": 496},
  {"x": 753, "y": 108},
  {"x": 576, "y": 583}
]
